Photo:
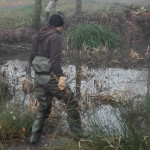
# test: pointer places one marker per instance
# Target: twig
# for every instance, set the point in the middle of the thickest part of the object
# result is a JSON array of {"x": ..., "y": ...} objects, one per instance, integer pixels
[{"x": 83, "y": 141}]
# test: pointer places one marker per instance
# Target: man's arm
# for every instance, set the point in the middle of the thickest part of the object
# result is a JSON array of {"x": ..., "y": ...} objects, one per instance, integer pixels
[{"x": 55, "y": 50}]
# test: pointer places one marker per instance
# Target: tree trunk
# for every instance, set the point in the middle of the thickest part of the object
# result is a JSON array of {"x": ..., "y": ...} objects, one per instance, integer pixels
[
  {"x": 78, "y": 80},
  {"x": 37, "y": 14},
  {"x": 78, "y": 7}
]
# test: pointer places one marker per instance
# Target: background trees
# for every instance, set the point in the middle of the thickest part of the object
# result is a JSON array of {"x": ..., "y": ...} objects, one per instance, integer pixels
[
  {"x": 37, "y": 14},
  {"x": 78, "y": 9}
]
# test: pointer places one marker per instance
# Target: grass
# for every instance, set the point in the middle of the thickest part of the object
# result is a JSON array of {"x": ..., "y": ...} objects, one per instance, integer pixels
[
  {"x": 14, "y": 123},
  {"x": 15, "y": 17},
  {"x": 134, "y": 120},
  {"x": 22, "y": 15},
  {"x": 132, "y": 136},
  {"x": 92, "y": 35}
]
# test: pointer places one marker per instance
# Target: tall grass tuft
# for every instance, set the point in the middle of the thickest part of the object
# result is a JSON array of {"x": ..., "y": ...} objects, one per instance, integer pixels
[
  {"x": 14, "y": 122},
  {"x": 92, "y": 35}
]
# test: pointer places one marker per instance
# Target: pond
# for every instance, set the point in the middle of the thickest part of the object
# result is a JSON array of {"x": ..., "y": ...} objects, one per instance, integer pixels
[{"x": 93, "y": 83}]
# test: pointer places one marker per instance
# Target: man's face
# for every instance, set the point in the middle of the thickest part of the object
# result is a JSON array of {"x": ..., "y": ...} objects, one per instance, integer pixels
[{"x": 59, "y": 29}]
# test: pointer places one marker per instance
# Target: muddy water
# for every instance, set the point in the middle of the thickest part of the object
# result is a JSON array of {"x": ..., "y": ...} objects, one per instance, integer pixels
[{"x": 100, "y": 81}]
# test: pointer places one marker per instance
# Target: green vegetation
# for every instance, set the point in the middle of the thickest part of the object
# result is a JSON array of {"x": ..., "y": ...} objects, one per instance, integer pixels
[
  {"x": 15, "y": 17},
  {"x": 22, "y": 15},
  {"x": 37, "y": 14},
  {"x": 92, "y": 35},
  {"x": 132, "y": 132},
  {"x": 14, "y": 123},
  {"x": 134, "y": 122}
]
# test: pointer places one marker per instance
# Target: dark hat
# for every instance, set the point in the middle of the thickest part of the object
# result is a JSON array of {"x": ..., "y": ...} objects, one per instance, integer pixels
[{"x": 56, "y": 20}]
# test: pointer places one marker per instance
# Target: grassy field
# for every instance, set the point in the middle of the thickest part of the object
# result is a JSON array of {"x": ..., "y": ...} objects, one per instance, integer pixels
[
  {"x": 15, "y": 17},
  {"x": 16, "y": 13},
  {"x": 13, "y": 3}
]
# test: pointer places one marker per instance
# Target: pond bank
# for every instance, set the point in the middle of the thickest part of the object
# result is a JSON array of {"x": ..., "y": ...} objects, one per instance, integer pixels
[{"x": 131, "y": 25}]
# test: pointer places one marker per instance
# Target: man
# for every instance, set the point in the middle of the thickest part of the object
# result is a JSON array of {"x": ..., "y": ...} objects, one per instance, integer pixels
[
  {"x": 45, "y": 59},
  {"x": 51, "y": 5}
]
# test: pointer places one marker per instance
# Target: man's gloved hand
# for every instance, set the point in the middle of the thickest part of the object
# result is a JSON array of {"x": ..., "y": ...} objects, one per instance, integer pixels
[{"x": 62, "y": 83}]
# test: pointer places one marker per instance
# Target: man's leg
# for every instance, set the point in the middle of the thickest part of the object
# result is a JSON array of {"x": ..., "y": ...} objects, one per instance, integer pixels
[
  {"x": 48, "y": 9},
  {"x": 43, "y": 111},
  {"x": 74, "y": 119}
]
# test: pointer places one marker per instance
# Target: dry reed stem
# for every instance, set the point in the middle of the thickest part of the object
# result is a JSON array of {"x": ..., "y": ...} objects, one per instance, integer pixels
[
  {"x": 33, "y": 105},
  {"x": 81, "y": 140},
  {"x": 147, "y": 54},
  {"x": 134, "y": 56},
  {"x": 27, "y": 85},
  {"x": 145, "y": 139}
]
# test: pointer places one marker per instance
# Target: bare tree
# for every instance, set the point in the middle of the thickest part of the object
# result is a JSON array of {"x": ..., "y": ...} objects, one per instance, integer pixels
[
  {"x": 37, "y": 14},
  {"x": 78, "y": 7}
]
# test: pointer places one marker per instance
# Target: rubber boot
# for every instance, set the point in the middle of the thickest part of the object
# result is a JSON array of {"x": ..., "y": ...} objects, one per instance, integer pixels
[
  {"x": 47, "y": 16},
  {"x": 36, "y": 131}
]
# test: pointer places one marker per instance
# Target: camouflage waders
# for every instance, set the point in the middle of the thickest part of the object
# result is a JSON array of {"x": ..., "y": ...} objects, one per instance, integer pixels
[{"x": 46, "y": 89}]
